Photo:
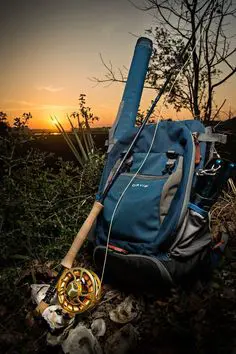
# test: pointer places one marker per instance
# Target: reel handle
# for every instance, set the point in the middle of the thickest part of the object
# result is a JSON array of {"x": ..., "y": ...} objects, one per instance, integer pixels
[
  {"x": 49, "y": 294},
  {"x": 82, "y": 235}
]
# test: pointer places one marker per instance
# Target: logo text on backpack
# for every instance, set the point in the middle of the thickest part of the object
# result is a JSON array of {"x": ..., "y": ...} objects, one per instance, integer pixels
[{"x": 134, "y": 185}]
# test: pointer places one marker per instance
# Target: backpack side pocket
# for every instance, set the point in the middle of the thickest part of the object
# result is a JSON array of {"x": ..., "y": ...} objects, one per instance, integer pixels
[
  {"x": 192, "y": 236},
  {"x": 170, "y": 188}
]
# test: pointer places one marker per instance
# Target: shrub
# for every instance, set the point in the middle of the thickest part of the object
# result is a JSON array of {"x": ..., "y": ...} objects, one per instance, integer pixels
[{"x": 42, "y": 206}]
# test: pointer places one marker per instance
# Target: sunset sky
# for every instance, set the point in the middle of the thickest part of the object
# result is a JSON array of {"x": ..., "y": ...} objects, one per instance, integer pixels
[{"x": 50, "y": 49}]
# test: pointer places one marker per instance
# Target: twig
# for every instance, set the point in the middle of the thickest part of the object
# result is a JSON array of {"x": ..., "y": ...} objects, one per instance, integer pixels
[
  {"x": 232, "y": 185},
  {"x": 218, "y": 110}
]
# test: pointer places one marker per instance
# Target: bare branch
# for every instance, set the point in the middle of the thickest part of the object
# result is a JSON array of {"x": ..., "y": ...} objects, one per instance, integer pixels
[
  {"x": 219, "y": 109},
  {"x": 224, "y": 79},
  {"x": 171, "y": 25},
  {"x": 224, "y": 59},
  {"x": 211, "y": 47}
]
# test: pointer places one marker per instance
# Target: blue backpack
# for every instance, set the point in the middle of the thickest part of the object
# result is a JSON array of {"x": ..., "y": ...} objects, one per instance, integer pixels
[{"x": 149, "y": 228}]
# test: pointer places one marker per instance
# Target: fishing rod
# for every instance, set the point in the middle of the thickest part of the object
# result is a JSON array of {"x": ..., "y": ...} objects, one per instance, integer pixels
[{"x": 69, "y": 258}]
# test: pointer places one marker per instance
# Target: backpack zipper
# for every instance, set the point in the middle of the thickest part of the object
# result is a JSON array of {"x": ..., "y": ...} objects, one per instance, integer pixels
[
  {"x": 147, "y": 177},
  {"x": 189, "y": 184}
]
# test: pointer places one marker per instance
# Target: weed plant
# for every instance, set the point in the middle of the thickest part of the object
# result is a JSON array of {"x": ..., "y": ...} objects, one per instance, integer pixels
[{"x": 42, "y": 204}]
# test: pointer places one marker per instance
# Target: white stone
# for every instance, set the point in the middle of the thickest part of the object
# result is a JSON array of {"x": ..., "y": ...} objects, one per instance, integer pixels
[
  {"x": 81, "y": 341},
  {"x": 56, "y": 317},
  {"x": 98, "y": 327},
  {"x": 126, "y": 311}
]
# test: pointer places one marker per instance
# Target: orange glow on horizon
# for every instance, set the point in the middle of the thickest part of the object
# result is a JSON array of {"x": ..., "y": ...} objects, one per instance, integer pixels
[
  {"x": 44, "y": 70},
  {"x": 45, "y": 119},
  {"x": 42, "y": 119},
  {"x": 104, "y": 104}
]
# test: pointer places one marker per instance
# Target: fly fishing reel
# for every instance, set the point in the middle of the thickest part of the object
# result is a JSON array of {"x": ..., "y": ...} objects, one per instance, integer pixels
[{"x": 78, "y": 290}]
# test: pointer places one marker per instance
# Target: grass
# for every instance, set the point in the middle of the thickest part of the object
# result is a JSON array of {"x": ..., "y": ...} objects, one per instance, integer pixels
[{"x": 223, "y": 214}]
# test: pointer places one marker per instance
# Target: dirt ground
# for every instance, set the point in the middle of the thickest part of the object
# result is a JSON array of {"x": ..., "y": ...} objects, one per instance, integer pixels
[{"x": 200, "y": 320}]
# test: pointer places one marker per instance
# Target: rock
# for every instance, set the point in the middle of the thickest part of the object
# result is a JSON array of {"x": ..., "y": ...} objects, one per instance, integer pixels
[
  {"x": 56, "y": 317},
  {"x": 111, "y": 294},
  {"x": 53, "y": 339},
  {"x": 81, "y": 341},
  {"x": 98, "y": 327},
  {"x": 126, "y": 311},
  {"x": 122, "y": 341},
  {"x": 99, "y": 314}
]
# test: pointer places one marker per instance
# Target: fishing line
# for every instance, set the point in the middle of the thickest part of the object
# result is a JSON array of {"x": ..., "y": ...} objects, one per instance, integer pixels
[{"x": 144, "y": 160}]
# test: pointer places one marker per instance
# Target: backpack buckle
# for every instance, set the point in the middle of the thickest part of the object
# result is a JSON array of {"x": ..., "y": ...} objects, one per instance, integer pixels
[
  {"x": 170, "y": 164},
  {"x": 171, "y": 155}
]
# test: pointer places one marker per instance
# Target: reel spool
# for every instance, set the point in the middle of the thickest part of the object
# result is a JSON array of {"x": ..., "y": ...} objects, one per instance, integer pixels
[{"x": 78, "y": 290}]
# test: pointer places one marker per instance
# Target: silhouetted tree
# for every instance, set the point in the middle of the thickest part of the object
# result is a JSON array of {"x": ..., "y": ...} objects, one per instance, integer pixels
[
  {"x": 208, "y": 56},
  {"x": 4, "y": 125}
]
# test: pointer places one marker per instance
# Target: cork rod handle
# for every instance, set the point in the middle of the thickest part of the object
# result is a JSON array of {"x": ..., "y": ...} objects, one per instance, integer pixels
[{"x": 82, "y": 235}]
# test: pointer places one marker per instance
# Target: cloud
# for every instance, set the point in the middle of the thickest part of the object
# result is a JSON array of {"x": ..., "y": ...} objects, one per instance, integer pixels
[
  {"x": 50, "y": 88},
  {"x": 61, "y": 110},
  {"x": 57, "y": 107},
  {"x": 25, "y": 103},
  {"x": 20, "y": 103}
]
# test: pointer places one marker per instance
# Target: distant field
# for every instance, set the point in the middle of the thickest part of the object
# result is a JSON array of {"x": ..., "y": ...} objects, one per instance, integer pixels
[{"x": 57, "y": 144}]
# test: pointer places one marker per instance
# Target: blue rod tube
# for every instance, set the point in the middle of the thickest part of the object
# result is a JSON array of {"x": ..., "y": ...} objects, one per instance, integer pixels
[{"x": 128, "y": 108}]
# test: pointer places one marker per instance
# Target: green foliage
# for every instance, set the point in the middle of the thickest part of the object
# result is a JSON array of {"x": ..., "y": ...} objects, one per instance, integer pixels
[
  {"x": 165, "y": 57},
  {"x": 21, "y": 122},
  {"x": 85, "y": 111},
  {"x": 44, "y": 201},
  {"x": 84, "y": 117},
  {"x": 141, "y": 115},
  {"x": 4, "y": 126},
  {"x": 42, "y": 206}
]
